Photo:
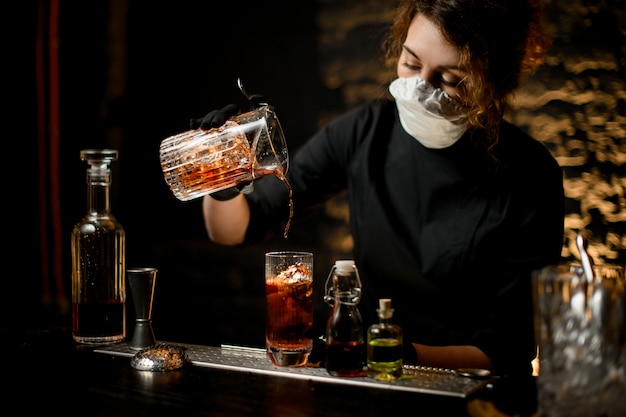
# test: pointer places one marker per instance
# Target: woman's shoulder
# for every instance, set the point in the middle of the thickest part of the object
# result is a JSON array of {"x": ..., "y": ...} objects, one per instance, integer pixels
[
  {"x": 521, "y": 152},
  {"x": 368, "y": 111},
  {"x": 519, "y": 144},
  {"x": 364, "y": 121},
  {"x": 354, "y": 131}
]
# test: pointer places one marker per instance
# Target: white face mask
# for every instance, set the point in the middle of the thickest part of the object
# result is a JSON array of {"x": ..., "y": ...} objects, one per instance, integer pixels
[{"x": 427, "y": 113}]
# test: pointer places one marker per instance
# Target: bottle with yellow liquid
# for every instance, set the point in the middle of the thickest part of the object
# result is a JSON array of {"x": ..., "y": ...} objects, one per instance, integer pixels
[{"x": 384, "y": 345}]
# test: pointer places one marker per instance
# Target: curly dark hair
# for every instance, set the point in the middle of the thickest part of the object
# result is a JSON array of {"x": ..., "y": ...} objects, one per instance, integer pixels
[{"x": 500, "y": 42}]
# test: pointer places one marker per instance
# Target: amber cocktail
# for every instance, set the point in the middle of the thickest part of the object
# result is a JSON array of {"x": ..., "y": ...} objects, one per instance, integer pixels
[{"x": 289, "y": 308}]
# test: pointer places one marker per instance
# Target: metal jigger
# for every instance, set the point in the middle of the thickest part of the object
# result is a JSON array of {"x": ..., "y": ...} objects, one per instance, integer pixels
[{"x": 141, "y": 281}]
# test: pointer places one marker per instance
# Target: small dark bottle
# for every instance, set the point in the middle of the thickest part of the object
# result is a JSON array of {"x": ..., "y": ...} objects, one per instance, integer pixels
[{"x": 345, "y": 343}]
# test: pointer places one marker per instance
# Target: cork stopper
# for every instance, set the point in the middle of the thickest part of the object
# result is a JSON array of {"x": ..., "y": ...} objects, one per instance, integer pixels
[{"x": 384, "y": 308}]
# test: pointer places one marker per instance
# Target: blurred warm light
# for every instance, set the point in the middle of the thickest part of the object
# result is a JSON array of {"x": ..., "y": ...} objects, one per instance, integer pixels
[{"x": 535, "y": 364}]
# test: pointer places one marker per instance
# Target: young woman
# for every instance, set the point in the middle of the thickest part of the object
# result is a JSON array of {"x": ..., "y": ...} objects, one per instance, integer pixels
[{"x": 451, "y": 207}]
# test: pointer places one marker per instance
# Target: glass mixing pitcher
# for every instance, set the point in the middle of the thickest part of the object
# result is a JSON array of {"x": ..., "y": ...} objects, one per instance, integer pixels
[{"x": 248, "y": 146}]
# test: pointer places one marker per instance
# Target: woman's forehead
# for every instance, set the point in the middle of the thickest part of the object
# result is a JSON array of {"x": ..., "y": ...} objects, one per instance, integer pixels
[{"x": 427, "y": 43}]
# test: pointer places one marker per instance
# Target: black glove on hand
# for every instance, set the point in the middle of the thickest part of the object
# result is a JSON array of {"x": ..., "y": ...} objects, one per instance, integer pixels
[
  {"x": 232, "y": 192},
  {"x": 214, "y": 118},
  {"x": 257, "y": 100}
]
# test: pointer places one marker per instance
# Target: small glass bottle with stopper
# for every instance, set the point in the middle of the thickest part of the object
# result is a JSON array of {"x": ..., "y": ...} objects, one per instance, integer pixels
[
  {"x": 98, "y": 250},
  {"x": 345, "y": 341},
  {"x": 384, "y": 345}
]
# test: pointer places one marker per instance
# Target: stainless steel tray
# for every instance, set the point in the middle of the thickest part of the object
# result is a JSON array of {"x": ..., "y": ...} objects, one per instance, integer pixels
[{"x": 249, "y": 359}]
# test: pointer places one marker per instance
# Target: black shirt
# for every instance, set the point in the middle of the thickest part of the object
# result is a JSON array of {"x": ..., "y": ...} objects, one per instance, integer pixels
[{"x": 449, "y": 236}]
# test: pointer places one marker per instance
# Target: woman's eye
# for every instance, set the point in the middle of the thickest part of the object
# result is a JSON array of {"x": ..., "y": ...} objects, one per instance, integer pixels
[
  {"x": 412, "y": 67},
  {"x": 450, "y": 83}
]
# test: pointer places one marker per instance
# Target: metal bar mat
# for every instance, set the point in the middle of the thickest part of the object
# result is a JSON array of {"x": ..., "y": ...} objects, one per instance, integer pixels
[{"x": 247, "y": 359}]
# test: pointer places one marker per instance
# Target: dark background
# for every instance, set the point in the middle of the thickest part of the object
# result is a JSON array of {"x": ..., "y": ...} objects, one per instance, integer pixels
[{"x": 131, "y": 73}]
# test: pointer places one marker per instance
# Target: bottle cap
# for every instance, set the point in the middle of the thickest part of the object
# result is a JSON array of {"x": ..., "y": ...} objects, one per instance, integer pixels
[
  {"x": 344, "y": 266},
  {"x": 98, "y": 159},
  {"x": 384, "y": 304}
]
